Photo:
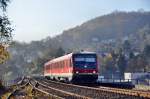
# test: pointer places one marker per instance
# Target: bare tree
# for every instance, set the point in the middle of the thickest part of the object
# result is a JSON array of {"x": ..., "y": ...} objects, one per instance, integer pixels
[
  {"x": 5, "y": 31},
  {"x": 5, "y": 28}
]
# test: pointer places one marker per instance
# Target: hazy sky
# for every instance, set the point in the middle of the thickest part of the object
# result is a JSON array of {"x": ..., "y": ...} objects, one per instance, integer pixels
[{"x": 37, "y": 19}]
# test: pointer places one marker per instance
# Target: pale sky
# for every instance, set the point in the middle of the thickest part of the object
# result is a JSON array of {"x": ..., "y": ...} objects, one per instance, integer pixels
[{"x": 37, "y": 19}]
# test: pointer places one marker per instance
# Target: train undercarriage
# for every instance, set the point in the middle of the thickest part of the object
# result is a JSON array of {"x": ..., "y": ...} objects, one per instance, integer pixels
[{"x": 75, "y": 78}]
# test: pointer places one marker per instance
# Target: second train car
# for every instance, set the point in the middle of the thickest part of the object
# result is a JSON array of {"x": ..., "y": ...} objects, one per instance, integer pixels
[{"x": 73, "y": 67}]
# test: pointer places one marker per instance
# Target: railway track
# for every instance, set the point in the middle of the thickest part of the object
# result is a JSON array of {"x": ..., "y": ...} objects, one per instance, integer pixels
[
  {"x": 89, "y": 92},
  {"x": 54, "y": 92},
  {"x": 58, "y": 90},
  {"x": 18, "y": 88}
]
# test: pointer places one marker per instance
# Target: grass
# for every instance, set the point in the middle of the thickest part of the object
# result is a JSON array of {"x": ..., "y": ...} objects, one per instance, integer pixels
[
  {"x": 5, "y": 93},
  {"x": 142, "y": 87},
  {"x": 31, "y": 93}
]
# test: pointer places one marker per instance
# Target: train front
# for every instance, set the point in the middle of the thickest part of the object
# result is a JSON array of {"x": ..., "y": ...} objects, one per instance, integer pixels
[{"x": 85, "y": 67}]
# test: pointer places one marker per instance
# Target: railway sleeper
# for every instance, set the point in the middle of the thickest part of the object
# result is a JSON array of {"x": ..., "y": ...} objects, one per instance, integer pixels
[
  {"x": 110, "y": 92},
  {"x": 59, "y": 93}
]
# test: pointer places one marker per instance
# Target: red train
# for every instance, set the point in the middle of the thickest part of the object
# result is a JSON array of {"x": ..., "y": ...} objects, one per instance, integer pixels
[{"x": 73, "y": 67}]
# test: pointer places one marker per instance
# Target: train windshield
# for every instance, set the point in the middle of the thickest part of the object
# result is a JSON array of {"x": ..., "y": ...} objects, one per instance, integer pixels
[{"x": 85, "y": 61}]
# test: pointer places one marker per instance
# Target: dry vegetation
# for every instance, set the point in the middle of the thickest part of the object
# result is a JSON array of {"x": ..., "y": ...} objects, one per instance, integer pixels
[
  {"x": 27, "y": 93},
  {"x": 142, "y": 87}
]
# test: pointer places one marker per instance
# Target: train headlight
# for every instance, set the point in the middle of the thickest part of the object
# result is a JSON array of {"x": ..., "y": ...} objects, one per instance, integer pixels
[
  {"x": 77, "y": 72},
  {"x": 94, "y": 71}
]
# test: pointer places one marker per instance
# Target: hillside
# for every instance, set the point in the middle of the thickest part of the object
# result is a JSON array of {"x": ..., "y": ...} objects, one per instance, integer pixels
[
  {"x": 128, "y": 31},
  {"x": 113, "y": 26}
]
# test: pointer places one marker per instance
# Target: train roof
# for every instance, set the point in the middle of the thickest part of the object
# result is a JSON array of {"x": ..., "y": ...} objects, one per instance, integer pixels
[
  {"x": 84, "y": 52},
  {"x": 67, "y": 56},
  {"x": 59, "y": 58}
]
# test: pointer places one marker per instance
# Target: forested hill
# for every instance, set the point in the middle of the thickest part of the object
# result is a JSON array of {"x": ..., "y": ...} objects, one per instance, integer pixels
[
  {"x": 129, "y": 31},
  {"x": 116, "y": 25}
]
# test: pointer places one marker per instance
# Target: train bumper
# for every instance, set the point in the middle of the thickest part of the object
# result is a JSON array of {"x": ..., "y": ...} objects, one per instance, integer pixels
[{"x": 85, "y": 77}]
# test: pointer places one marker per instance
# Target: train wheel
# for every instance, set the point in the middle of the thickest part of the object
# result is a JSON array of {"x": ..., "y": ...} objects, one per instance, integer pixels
[
  {"x": 59, "y": 78},
  {"x": 54, "y": 78},
  {"x": 66, "y": 80},
  {"x": 48, "y": 78}
]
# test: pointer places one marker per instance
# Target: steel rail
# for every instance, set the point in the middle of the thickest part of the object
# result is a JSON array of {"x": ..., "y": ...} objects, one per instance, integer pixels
[
  {"x": 116, "y": 91},
  {"x": 60, "y": 93},
  {"x": 44, "y": 92},
  {"x": 19, "y": 86}
]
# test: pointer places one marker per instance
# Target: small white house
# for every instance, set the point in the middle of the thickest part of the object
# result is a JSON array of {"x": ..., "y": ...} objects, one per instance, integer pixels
[{"x": 136, "y": 77}]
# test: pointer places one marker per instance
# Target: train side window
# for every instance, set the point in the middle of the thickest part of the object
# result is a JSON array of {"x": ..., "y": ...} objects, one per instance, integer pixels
[
  {"x": 67, "y": 63},
  {"x": 60, "y": 66},
  {"x": 59, "y": 63},
  {"x": 48, "y": 67},
  {"x": 70, "y": 63},
  {"x": 55, "y": 65},
  {"x": 63, "y": 64}
]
